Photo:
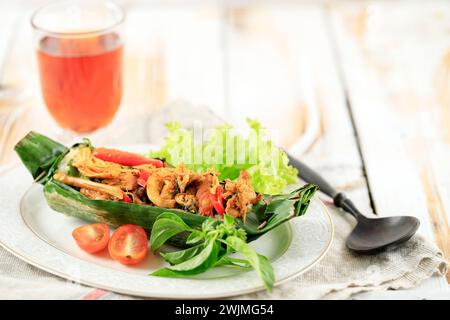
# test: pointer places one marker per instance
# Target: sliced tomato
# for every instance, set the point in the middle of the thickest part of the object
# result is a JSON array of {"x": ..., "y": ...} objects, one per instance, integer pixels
[
  {"x": 217, "y": 200},
  {"x": 92, "y": 238},
  {"x": 142, "y": 182},
  {"x": 143, "y": 177},
  {"x": 125, "y": 158},
  {"x": 144, "y": 174},
  {"x": 128, "y": 244}
]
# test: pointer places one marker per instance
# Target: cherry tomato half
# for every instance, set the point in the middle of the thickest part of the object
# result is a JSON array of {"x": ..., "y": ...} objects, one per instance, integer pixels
[
  {"x": 92, "y": 238},
  {"x": 128, "y": 244}
]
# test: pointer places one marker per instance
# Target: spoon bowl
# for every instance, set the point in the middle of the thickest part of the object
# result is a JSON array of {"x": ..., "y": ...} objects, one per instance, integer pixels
[{"x": 372, "y": 235}]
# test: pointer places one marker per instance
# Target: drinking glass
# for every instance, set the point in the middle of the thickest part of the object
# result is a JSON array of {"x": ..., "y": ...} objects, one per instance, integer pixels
[{"x": 79, "y": 48}]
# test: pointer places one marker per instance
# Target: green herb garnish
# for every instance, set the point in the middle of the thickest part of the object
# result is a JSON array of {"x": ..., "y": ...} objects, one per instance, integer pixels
[{"x": 212, "y": 247}]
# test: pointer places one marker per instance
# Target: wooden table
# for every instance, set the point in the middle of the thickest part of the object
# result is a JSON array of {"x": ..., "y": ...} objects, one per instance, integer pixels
[{"x": 368, "y": 83}]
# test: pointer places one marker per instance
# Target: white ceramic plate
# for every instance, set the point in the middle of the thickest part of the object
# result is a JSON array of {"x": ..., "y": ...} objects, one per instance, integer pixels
[{"x": 42, "y": 237}]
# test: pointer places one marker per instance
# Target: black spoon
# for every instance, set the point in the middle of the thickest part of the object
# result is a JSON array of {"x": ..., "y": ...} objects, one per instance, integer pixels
[{"x": 370, "y": 235}]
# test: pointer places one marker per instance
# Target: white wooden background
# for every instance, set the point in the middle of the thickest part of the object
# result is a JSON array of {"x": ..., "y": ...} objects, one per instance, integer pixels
[{"x": 368, "y": 80}]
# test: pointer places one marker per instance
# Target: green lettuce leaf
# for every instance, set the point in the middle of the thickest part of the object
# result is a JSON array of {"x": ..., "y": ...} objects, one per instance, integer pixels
[{"x": 267, "y": 164}]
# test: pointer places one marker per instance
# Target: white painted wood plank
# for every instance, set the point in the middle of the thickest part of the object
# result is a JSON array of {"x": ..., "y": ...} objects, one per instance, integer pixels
[
  {"x": 394, "y": 182},
  {"x": 8, "y": 19},
  {"x": 388, "y": 75},
  {"x": 262, "y": 86},
  {"x": 175, "y": 52},
  {"x": 263, "y": 79},
  {"x": 335, "y": 154}
]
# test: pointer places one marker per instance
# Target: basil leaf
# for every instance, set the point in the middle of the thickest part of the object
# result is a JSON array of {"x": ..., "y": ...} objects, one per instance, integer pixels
[
  {"x": 201, "y": 262},
  {"x": 177, "y": 257},
  {"x": 259, "y": 262},
  {"x": 208, "y": 225},
  {"x": 165, "y": 228},
  {"x": 238, "y": 263},
  {"x": 172, "y": 216},
  {"x": 195, "y": 237},
  {"x": 208, "y": 256},
  {"x": 228, "y": 220}
]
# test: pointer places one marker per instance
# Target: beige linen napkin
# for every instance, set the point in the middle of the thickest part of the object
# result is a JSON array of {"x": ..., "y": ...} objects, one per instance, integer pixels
[{"x": 343, "y": 273}]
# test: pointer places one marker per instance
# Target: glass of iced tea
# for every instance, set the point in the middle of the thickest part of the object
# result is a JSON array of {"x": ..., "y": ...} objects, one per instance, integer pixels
[{"x": 79, "y": 49}]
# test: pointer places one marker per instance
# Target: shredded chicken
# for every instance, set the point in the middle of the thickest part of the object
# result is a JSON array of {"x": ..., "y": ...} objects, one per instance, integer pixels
[
  {"x": 161, "y": 188},
  {"x": 239, "y": 195},
  {"x": 164, "y": 184},
  {"x": 166, "y": 187},
  {"x": 113, "y": 174},
  {"x": 94, "y": 194},
  {"x": 147, "y": 167},
  {"x": 92, "y": 167},
  {"x": 186, "y": 177},
  {"x": 207, "y": 186},
  {"x": 125, "y": 180},
  {"x": 135, "y": 198},
  {"x": 116, "y": 192},
  {"x": 185, "y": 200}
]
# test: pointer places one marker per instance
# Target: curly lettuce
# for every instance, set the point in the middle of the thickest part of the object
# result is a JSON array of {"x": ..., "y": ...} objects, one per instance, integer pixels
[{"x": 230, "y": 153}]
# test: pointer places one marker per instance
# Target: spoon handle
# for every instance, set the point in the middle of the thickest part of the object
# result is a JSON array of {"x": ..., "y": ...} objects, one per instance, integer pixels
[
  {"x": 340, "y": 200},
  {"x": 311, "y": 176}
]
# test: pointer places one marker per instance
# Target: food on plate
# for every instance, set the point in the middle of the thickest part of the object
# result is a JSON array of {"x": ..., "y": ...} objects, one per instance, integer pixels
[
  {"x": 208, "y": 212},
  {"x": 92, "y": 238},
  {"x": 79, "y": 184},
  {"x": 160, "y": 186},
  {"x": 128, "y": 244}
]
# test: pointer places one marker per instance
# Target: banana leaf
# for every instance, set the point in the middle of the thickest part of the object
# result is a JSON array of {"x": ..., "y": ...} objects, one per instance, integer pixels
[{"x": 41, "y": 156}]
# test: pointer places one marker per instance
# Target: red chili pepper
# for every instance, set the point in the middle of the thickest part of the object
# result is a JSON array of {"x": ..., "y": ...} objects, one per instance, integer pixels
[
  {"x": 125, "y": 158},
  {"x": 144, "y": 174},
  {"x": 217, "y": 200},
  {"x": 143, "y": 177},
  {"x": 126, "y": 198}
]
